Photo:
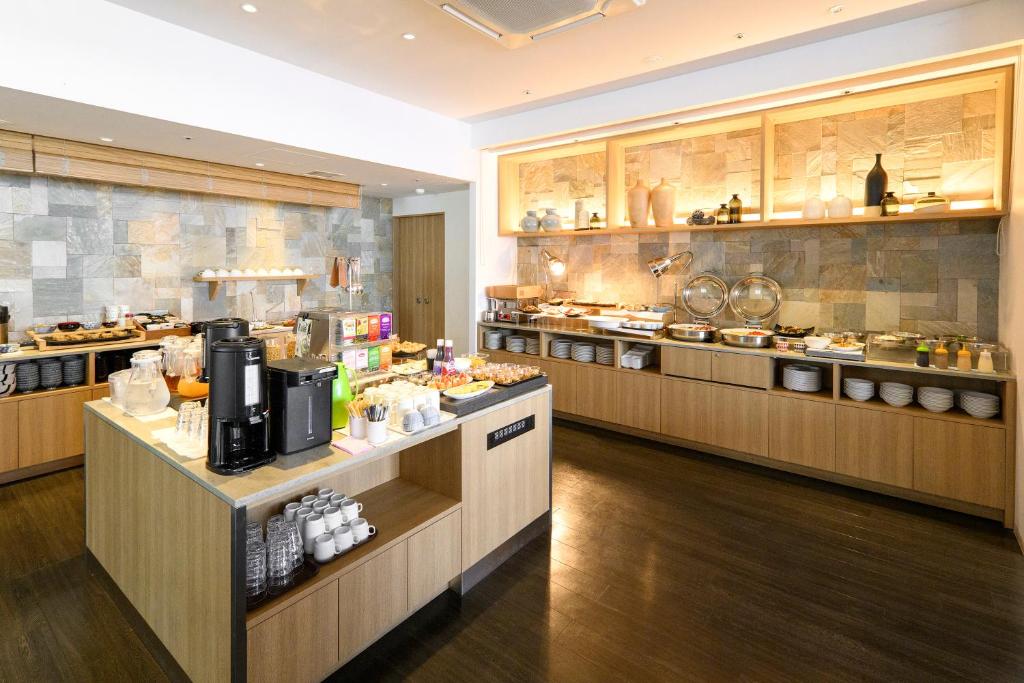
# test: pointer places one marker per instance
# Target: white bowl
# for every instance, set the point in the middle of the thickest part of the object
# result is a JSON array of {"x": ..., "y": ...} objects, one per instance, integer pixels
[
  {"x": 817, "y": 343},
  {"x": 603, "y": 322}
]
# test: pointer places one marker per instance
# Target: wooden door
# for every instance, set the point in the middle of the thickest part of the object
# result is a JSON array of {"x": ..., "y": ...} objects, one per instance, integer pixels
[
  {"x": 876, "y": 445},
  {"x": 435, "y": 558},
  {"x": 373, "y": 599},
  {"x": 562, "y": 378},
  {"x": 686, "y": 409},
  {"x": 739, "y": 420},
  {"x": 299, "y": 643},
  {"x": 419, "y": 277},
  {"x": 51, "y": 428},
  {"x": 639, "y": 397},
  {"x": 803, "y": 431},
  {"x": 959, "y": 461},
  {"x": 595, "y": 393},
  {"x": 9, "y": 442}
]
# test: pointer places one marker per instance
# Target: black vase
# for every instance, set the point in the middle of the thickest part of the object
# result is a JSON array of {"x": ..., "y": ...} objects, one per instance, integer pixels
[{"x": 875, "y": 183}]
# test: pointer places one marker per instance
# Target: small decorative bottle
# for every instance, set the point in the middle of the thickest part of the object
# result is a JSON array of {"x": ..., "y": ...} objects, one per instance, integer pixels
[
  {"x": 963, "y": 358},
  {"x": 722, "y": 215},
  {"x": 595, "y": 222},
  {"x": 735, "y": 209},
  {"x": 942, "y": 357},
  {"x": 922, "y": 355},
  {"x": 890, "y": 205}
]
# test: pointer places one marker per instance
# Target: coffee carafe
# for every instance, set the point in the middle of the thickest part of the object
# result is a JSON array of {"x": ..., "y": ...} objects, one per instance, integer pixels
[
  {"x": 239, "y": 436},
  {"x": 214, "y": 331}
]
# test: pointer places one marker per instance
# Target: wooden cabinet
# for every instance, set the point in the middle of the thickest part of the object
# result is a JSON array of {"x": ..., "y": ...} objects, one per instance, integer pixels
[
  {"x": 960, "y": 461},
  {"x": 739, "y": 368},
  {"x": 595, "y": 393},
  {"x": 51, "y": 428},
  {"x": 299, "y": 643},
  {"x": 875, "y": 445},
  {"x": 435, "y": 558},
  {"x": 686, "y": 409},
  {"x": 638, "y": 399},
  {"x": 803, "y": 432},
  {"x": 692, "y": 363},
  {"x": 372, "y": 599},
  {"x": 562, "y": 378},
  {"x": 739, "y": 420},
  {"x": 100, "y": 392},
  {"x": 8, "y": 436}
]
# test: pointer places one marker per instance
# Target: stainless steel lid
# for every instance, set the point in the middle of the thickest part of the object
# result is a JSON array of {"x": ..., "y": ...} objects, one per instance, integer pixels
[
  {"x": 755, "y": 298},
  {"x": 705, "y": 296}
]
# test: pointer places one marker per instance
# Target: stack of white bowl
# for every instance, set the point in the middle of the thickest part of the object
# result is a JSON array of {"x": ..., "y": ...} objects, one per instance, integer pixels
[
  {"x": 896, "y": 394},
  {"x": 858, "y": 389},
  {"x": 583, "y": 352},
  {"x": 561, "y": 348},
  {"x": 493, "y": 339},
  {"x": 935, "y": 399},
  {"x": 798, "y": 377},
  {"x": 979, "y": 404},
  {"x": 515, "y": 343}
]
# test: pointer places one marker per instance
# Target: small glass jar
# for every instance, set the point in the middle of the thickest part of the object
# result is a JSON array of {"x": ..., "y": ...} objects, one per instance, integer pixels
[{"x": 890, "y": 205}]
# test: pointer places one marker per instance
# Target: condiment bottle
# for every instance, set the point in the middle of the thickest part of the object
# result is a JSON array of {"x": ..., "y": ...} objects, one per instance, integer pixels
[
  {"x": 922, "y": 355},
  {"x": 963, "y": 358},
  {"x": 985, "y": 362},
  {"x": 941, "y": 357}
]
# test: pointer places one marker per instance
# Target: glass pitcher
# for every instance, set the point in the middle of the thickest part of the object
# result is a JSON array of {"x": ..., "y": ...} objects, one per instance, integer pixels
[
  {"x": 146, "y": 393},
  {"x": 173, "y": 351},
  {"x": 189, "y": 386}
]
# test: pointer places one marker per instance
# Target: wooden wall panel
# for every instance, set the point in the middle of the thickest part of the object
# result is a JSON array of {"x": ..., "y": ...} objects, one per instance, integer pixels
[{"x": 15, "y": 152}]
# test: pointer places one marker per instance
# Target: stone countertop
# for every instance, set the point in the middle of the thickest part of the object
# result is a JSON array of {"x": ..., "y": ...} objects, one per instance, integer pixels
[{"x": 287, "y": 472}]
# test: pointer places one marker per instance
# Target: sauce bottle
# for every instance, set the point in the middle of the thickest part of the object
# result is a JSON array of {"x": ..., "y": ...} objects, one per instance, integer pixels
[
  {"x": 985, "y": 362},
  {"x": 942, "y": 357},
  {"x": 963, "y": 358},
  {"x": 922, "y": 355}
]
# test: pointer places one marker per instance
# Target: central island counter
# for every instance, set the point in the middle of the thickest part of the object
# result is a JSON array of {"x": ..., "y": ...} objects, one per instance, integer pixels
[{"x": 450, "y": 504}]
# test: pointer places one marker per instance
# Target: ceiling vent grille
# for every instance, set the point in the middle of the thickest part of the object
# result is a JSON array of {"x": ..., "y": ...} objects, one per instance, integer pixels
[
  {"x": 326, "y": 175},
  {"x": 525, "y": 16}
]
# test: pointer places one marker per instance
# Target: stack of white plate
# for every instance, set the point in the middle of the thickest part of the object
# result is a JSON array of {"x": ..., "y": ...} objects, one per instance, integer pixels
[
  {"x": 493, "y": 339},
  {"x": 533, "y": 346},
  {"x": 935, "y": 399},
  {"x": 798, "y": 377},
  {"x": 605, "y": 355},
  {"x": 858, "y": 389},
  {"x": 896, "y": 394},
  {"x": 978, "y": 404},
  {"x": 515, "y": 343},
  {"x": 583, "y": 352},
  {"x": 8, "y": 380},
  {"x": 561, "y": 348}
]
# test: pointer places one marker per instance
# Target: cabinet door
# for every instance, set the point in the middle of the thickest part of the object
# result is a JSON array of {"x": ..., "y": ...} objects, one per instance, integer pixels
[
  {"x": 803, "y": 432},
  {"x": 297, "y": 644},
  {"x": 9, "y": 438},
  {"x": 638, "y": 395},
  {"x": 51, "y": 428},
  {"x": 686, "y": 410},
  {"x": 960, "y": 461},
  {"x": 435, "y": 558},
  {"x": 875, "y": 445},
  {"x": 372, "y": 599},
  {"x": 562, "y": 378},
  {"x": 680, "y": 362},
  {"x": 740, "y": 368},
  {"x": 739, "y": 420},
  {"x": 100, "y": 392},
  {"x": 595, "y": 394}
]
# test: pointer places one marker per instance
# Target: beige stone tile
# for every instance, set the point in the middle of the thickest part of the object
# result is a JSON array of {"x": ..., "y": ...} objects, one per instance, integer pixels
[
  {"x": 882, "y": 310},
  {"x": 967, "y": 301}
]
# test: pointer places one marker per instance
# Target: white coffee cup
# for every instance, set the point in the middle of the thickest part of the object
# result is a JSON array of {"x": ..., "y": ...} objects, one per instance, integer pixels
[
  {"x": 350, "y": 509},
  {"x": 357, "y": 427},
  {"x": 289, "y": 511},
  {"x": 321, "y": 505},
  {"x": 361, "y": 529},
  {"x": 300, "y": 517},
  {"x": 325, "y": 494},
  {"x": 337, "y": 499},
  {"x": 307, "y": 501},
  {"x": 377, "y": 432},
  {"x": 313, "y": 527},
  {"x": 333, "y": 518},
  {"x": 323, "y": 548},
  {"x": 343, "y": 538}
]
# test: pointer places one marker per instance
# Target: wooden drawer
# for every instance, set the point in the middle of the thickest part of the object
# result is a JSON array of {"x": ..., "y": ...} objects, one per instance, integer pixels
[
  {"x": 299, "y": 643},
  {"x": 638, "y": 399},
  {"x": 739, "y": 420},
  {"x": 686, "y": 410},
  {"x": 372, "y": 599},
  {"x": 562, "y": 378},
  {"x": 435, "y": 558},
  {"x": 9, "y": 440},
  {"x": 692, "y": 363},
  {"x": 875, "y": 445},
  {"x": 595, "y": 394},
  {"x": 960, "y": 461},
  {"x": 51, "y": 428},
  {"x": 742, "y": 369},
  {"x": 803, "y": 432}
]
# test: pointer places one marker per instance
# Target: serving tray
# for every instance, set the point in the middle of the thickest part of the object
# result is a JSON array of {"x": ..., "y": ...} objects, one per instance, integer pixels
[{"x": 495, "y": 395}]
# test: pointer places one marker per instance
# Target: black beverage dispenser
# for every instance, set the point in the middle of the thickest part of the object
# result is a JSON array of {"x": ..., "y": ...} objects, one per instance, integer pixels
[
  {"x": 214, "y": 331},
  {"x": 300, "y": 404},
  {"x": 239, "y": 431}
]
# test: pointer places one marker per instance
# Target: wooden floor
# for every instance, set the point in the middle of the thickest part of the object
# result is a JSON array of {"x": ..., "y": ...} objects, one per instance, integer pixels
[{"x": 662, "y": 565}]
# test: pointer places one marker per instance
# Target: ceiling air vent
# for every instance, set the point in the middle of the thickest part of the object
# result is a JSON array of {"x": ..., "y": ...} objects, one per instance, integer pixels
[{"x": 326, "y": 175}]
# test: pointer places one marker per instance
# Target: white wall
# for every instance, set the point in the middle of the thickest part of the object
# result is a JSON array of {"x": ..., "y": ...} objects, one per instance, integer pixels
[
  {"x": 105, "y": 55},
  {"x": 459, "y": 209}
]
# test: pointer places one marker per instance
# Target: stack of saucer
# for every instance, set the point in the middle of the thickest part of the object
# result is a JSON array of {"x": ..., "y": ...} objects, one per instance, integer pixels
[
  {"x": 605, "y": 354},
  {"x": 561, "y": 348},
  {"x": 51, "y": 373},
  {"x": 492, "y": 339},
  {"x": 8, "y": 379},
  {"x": 583, "y": 352},
  {"x": 978, "y": 404},
  {"x": 515, "y": 343},
  {"x": 858, "y": 389},
  {"x": 27, "y": 376},
  {"x": 74, "y": 370},
  {"x": 935, "y": 399},
  {"x": 896, "y": 394},
  {"x": 533, "y": 346},
  {"x": 798, "y": 377}
]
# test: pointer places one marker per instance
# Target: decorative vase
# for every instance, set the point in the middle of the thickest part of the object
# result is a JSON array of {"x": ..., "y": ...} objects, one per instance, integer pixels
[
  {"x": 814, "y": 208},
  {"x": 530, "y": 222},
  {"x": 551, "y": 222},
  {"x": 874, "y": 188},
  {"x": 890, "y": 205},
  {"x": 663, "y": 203},
  {"x": 735, "y": 209},
  {"x": 582, "y": 216},
  {"x": 638, "y": 201},
  {"x": 840, "y": 207},
  {"x": 722, "y": 215}
]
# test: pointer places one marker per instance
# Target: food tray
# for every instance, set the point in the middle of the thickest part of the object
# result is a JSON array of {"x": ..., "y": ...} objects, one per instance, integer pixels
[
  {"x": 494, "y": 396},
  {"x": 306, "y": 571},
  {"x": 833, "y": 353},
  {"x": 515, "y": 384},
  {"x": 44, "y": 341}
]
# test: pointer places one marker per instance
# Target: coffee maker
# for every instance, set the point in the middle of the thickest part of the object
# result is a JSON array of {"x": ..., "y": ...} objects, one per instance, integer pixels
[
  {"x": 239, "y": 431},
  {"x": 300, "y": 404},
  {"x": 214, "y": 331}
]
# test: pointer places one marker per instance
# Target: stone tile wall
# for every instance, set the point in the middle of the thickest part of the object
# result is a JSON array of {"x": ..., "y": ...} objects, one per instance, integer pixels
[
  {"x": 558, "y": 183},
  {"x": 69, "y": 247},
  {"x": 932, "y": 278}
]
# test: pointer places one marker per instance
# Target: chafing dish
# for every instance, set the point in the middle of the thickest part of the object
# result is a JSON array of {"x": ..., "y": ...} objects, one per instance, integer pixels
[
  {"x": 693, "y": 332},
  {"x": 755, "y": 299},
  {"x": 747, "y": 337}
]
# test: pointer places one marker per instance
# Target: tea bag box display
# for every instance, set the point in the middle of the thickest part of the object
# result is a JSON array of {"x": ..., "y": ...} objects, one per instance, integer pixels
[{"x": 300, "y": 404}]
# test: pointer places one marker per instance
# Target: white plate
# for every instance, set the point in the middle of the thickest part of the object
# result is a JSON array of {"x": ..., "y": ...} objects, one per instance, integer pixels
[
  {"x": 459, "y": 397},
  {"x": 603, "y": 322}
]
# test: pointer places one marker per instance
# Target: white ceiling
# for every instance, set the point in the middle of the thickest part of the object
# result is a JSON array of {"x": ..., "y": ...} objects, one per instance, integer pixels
[{"x": 457, "y": 71}]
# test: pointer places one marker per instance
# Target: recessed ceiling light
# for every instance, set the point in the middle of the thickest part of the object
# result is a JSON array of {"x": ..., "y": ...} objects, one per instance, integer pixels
[
  {"x": 107, "y": 139},
  {"x": 420, "y": 190},
  {"x": 835, "y": 9},
  {"x": 250, "y": 8},
  {"x": 260, "y": 164},
  {"x": 739, "y": 36},
  {"x": 527, "y": 92},
  {"x": 409, "y": 36},
  {"x": 383, "y": 184}
]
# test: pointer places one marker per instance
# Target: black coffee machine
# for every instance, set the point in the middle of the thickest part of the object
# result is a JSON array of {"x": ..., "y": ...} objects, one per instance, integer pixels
[
  {"x": 214, "y": 331},
  {"x": 239, "y": 430},
  {"x": 300, "y": 404}
]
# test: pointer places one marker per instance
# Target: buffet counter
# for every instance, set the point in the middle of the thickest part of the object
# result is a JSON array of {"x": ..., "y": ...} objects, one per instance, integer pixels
[
  {"x": 449, "y": 504},
  {"x": 732, "y": 401}
]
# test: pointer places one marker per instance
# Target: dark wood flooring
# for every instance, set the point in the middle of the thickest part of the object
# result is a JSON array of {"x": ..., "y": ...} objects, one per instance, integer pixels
[{"x": 662, "y": 565}]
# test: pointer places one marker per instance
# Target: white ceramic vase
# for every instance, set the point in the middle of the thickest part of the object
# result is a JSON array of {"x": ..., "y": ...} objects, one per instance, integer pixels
[
  {"x": 530, "y": 222},
  {"x": 582, "y": 216},
  {"x": 663, "y": 202},
  {"x": 551, "y": 221},
  {"x": 840, "y": 207},
  {"x": 638, "y": 202},
  {"x": 814, "y": 208}
]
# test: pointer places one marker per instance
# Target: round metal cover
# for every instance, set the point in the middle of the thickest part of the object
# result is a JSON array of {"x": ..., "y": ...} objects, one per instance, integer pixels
[
  {"x": 755, "y": 298},
  {"x": 705, "y": 296}
]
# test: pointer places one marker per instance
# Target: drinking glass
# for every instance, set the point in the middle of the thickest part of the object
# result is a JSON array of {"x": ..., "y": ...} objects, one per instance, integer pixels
[
  {"x": 255, "y": 568},
  {"x": 253, "y": 532},
  {"x": 280, "y": 556}
]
